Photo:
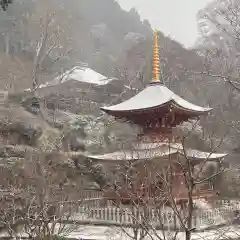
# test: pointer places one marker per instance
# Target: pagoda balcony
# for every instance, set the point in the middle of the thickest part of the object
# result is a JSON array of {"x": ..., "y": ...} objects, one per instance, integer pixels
[{"x": 151, "y": 195}]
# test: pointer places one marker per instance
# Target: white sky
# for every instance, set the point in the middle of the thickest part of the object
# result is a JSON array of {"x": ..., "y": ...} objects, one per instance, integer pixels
[{"x": 176, "y": 18}]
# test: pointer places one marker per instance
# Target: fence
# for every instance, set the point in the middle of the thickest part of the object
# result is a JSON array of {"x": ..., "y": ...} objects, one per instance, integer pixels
[
  {"x": 219, "y": 212},
  {"x": 235, "y": 203},
  {"x": 159, "y": 217}
]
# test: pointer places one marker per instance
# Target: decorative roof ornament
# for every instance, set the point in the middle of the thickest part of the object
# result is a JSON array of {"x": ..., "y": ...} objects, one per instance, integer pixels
[
  {"x": 155, "y": 59},
  {"x": 156, "y": 97}
]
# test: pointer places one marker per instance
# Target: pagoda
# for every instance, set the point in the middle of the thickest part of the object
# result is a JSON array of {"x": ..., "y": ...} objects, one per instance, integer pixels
[{"x": 157, "y": 111}]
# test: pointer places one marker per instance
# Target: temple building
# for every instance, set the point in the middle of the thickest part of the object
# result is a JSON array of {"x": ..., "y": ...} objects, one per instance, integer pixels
[{"x": 158, "y": 157}]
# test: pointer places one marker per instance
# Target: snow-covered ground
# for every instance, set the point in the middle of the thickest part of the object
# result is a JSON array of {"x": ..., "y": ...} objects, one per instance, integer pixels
[
  {"x": 204, "y": 217},
  {"x": 89, "y": 232},
  {"x": 116, "y": 233},
  {"x": 111, "y": 233}
]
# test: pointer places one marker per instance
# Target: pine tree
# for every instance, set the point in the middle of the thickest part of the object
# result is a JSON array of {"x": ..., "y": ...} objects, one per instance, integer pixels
[{"x": 4, "y": 4}]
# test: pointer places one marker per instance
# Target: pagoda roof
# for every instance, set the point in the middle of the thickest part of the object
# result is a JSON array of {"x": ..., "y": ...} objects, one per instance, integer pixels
[
  {"x": 156, "y": 95},
  {"x": 133, "y": 155},
  {"x": 163, "y": 150}
]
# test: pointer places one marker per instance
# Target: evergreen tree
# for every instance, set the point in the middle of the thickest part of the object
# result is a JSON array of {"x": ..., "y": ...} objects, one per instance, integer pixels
[{"x": 4, "y": 4}]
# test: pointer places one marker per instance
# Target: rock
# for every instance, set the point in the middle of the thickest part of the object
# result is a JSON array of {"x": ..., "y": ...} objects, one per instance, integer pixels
[
  {"x": 99, "y": 30},
  {"x": 134, "y": 37},
  {"x": 76, "y": 144},
  {"x": 19, "y": 126}
]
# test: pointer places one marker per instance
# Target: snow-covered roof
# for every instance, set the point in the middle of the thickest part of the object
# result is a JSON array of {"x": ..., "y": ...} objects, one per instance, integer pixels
[
  {"x": 80, "y": 74},
  {"x": 156, "y": 152},
  {"x": 153, "y": 96},
  {"x": 192, "y": 153},
  {"x": 132, "y": 155},
  {"x": 83, "y": 74}
]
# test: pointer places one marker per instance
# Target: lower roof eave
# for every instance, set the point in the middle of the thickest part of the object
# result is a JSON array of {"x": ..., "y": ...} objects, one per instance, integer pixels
[
  {"x": 142, "y": 155},
  {"x": 191, "y": 111},
  {"x": 135, "y": 155},
  {"x": 204, "y": 156}
]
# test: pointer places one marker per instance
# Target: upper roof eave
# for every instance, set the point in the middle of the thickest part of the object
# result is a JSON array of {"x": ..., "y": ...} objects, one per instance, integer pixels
[
  {"x": 206, "y": 110},
  {"x": 172, "y": 102},
  {"x": 154, "y": 97}
]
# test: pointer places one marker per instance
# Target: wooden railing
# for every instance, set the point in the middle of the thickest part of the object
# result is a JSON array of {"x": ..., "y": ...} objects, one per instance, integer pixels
[
  {"x": 91, "y": 210},
  {"x": 166, "y": 218},
  {"x": 91, "y": 194}
]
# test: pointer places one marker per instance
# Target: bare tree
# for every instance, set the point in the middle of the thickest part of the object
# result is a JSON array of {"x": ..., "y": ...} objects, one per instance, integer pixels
[
  {"x": 152, "y": 191},
  {"x": 219, "y": 25},
  {"x": 44, "y": 35},
  {"x": 40, "y": 192},
  {"x": 4, "y": 4}
]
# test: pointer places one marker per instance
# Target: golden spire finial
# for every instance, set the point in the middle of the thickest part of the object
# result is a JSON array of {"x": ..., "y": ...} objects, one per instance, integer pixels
[{"x": 155, "y": 59}]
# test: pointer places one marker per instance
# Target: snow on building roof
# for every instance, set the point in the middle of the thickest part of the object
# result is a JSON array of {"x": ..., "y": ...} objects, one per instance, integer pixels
[
  {"x": 192, "y": 153},
  {"x": 153, "y": 96},
  {"x": 84, "y": 74},
  {"x": 131, "y": 155},
  {"x": 156, "y": 152},
  {"x": 80, "y": 74}
]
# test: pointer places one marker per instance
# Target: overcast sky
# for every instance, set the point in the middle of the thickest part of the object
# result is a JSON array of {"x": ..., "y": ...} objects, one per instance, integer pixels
[{"x": 176, "y": 18}]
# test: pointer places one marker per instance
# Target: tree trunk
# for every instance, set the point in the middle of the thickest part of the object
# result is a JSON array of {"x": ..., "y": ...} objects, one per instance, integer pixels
[
  {"x": 188, "y": 235},
  {"x": 7, "y": 43}
]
